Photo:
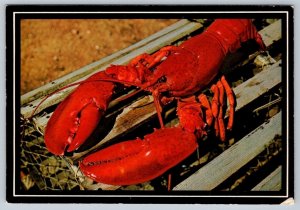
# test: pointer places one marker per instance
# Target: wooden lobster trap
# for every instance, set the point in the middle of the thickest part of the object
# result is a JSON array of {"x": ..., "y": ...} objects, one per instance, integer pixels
[{"x": 252, "y": 159}]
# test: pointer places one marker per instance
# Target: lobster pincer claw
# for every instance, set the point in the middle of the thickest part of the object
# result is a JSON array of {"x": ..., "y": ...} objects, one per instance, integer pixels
[
  {"x": 140, "y": 160},
  {"x": 77, "y": 116}
]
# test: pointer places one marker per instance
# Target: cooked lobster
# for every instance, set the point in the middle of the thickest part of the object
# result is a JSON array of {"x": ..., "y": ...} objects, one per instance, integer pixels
[{"x": 172, "y": 73}]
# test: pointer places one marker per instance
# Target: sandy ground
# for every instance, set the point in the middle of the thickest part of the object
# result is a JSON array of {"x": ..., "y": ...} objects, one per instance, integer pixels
[{"x": 53, "y": 48}]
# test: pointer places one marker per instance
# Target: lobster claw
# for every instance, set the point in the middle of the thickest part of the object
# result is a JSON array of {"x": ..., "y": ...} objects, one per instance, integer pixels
[
  {"x": 140, "y": 160},
  {"x": 77, "y": 116}
]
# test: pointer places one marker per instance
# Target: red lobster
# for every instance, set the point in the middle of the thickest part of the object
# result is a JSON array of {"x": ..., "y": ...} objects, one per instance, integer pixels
[{"x": 172, "y": 73}]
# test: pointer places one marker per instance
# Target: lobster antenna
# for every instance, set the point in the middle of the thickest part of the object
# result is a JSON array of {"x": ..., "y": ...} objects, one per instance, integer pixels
[
  {"x": 82, "y": 82},
  {"x": 51, "y": 94},
  {"x": 122, "y": 98}
]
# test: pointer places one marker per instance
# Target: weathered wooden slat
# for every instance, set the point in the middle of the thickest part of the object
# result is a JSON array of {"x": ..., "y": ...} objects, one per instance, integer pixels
[
  {"x": 147, "y": 45},
  {"x": 231, "y": 160},
  {"x": 272, "y": 33},
  {"x": 271, "y": 182},
  {"x": 258, "y": 85}
]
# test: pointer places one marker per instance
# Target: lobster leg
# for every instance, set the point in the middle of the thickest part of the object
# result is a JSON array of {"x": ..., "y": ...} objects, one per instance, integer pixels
[
  {"x": 151, "y": 60},
  {"x": 231, "y": 100},
  {"x": 208, "y": 111},
  {"x": 215, "y": 107},
  {"x": 158, "y": 56},
  {"x": 218, "y": 106},
  {"x": 221, "y": 108},
  {"x": 157, "y": 102},
  {"x": 223, "y": 84}
]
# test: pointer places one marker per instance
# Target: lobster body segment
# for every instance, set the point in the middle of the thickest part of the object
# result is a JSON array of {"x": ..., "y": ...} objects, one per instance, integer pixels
[{"x": 172, "y": 73}]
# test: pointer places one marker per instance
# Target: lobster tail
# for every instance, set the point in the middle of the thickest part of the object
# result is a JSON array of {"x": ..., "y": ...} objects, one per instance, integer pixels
[{"x": 232, "y": 32}]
